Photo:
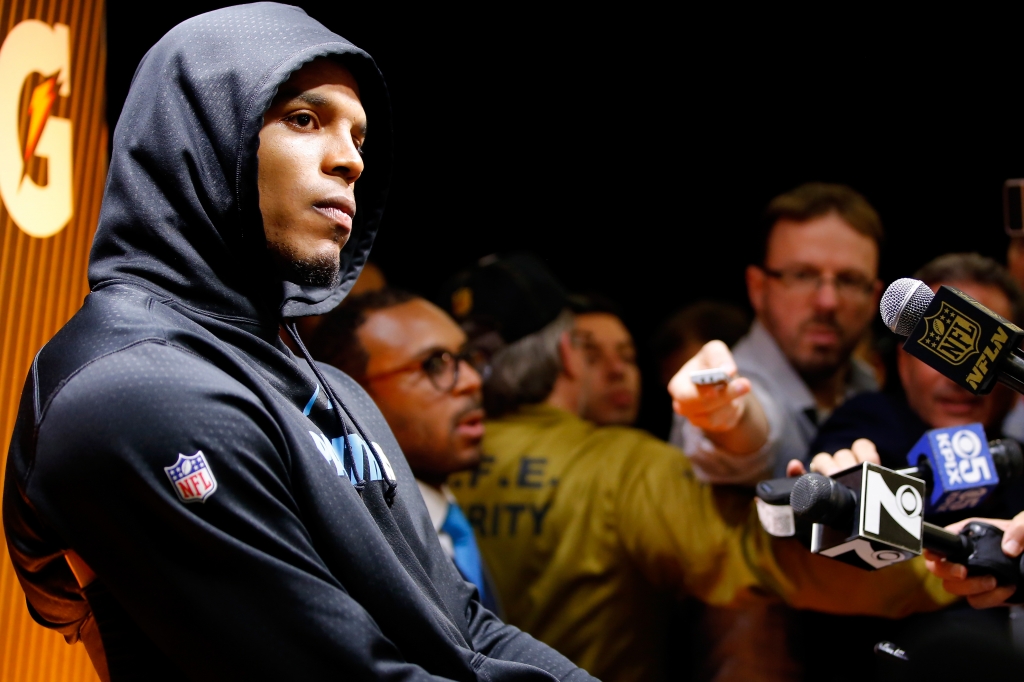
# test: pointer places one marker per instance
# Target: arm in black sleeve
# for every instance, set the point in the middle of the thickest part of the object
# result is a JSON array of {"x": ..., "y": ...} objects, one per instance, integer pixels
[
  {"x": 498, "y": 640},
  {"x": 886, "y": 421},
  {"x": 232, "y": 587}
]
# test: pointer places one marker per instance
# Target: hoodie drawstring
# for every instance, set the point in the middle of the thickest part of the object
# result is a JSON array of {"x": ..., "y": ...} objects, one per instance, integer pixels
[{"x": 341, "y": 412}]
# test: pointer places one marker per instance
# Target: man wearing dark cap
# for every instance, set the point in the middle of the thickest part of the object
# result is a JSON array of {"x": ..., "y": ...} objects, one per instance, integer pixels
[
  {"x": 589, "y": 531},
  {"x": 183, "y": 493}
]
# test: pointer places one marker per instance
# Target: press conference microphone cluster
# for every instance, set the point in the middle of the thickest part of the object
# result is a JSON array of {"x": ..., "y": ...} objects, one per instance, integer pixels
[
  {"x": 871, "y": 517},
  {"x": 955, "y": 335},
  {"x": 959, "y": 466}
]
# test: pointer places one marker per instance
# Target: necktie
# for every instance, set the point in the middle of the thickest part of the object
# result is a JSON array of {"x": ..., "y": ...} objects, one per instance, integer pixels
[{"x": 467, "y": 554}]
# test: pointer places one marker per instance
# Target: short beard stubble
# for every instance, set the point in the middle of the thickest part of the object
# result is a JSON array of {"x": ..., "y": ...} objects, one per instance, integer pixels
[{"x": 321, "y": 270}]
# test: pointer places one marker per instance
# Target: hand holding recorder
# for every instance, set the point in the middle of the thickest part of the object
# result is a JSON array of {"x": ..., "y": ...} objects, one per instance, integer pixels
[{"x": 708, "y": 393}]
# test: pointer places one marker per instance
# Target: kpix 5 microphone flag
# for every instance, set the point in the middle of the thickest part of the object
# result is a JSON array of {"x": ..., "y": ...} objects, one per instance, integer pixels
[{"x": 961, "y": 471}]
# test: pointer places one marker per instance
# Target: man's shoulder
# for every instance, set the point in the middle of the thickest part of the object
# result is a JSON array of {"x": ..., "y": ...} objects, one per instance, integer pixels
[
  {"x": 550, "y": 430},
  {"x": 110, "y": 322},
  {"x": 874, "y": 408},
  {"x": 759, "y": 358},
  {"x": 148, "y": 379},
  {"x": 885, "y": 419}
]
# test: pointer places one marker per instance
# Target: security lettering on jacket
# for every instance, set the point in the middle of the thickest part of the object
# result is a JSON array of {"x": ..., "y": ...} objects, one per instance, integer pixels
[{"x": 510, "y": 517}]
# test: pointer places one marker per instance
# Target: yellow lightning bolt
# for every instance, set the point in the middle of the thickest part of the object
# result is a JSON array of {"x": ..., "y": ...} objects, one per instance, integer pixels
[{"x": 39, "y": 108}]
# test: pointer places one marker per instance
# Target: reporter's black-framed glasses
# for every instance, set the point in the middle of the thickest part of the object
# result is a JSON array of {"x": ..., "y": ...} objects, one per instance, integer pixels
[{"x": 441, "y": 367}]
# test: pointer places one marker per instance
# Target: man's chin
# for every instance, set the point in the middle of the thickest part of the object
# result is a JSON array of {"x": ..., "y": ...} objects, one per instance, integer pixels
[
  {"x": 467, "y": 452},
  {"x": 820, "y": 363},
  {"x": 321, "y": 269}
]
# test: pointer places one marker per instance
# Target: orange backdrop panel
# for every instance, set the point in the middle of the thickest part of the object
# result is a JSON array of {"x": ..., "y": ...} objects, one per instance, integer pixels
[{"x": 53, "y": 159}]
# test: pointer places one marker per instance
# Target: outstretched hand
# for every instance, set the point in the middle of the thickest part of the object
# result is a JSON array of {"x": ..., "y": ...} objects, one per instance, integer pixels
[
  {"x": 825, "y": 464},
  {"x": 728, "y": 413},
  {"x": 715, "y": 408}
]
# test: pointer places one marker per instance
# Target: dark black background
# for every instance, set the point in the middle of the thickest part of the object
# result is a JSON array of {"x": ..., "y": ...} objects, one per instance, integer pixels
[{"x": 634, "y": 150}]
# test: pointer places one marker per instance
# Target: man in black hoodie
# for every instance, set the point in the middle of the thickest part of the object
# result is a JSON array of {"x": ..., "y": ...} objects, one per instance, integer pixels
[{"x": 183, "y": 493}]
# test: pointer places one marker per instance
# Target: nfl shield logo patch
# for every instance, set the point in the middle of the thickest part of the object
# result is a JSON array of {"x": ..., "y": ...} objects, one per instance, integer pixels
[{"x": 192, "y": 478}]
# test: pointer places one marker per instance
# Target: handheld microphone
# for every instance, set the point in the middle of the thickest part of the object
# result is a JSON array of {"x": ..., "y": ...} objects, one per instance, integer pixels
[
  {"x": 867, "y": 516},
  {"x": 968, "y": 471},
  {"x": 955, "y": 335},
  {"x": 960, "y": 467},
  {"x": 878, "y": 523}
]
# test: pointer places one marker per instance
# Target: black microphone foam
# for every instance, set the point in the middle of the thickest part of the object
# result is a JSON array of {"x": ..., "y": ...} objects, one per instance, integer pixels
[
  {"x": 1008, "y": 457},
  {"x": 820, "y": 499}
]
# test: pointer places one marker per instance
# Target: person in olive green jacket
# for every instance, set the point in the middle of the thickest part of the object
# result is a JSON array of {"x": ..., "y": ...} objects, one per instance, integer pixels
[{"x": 590, "y": 532}]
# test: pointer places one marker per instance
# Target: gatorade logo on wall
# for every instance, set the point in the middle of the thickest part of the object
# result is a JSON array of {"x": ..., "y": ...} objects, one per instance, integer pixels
[{"x": 35, "y": 145}]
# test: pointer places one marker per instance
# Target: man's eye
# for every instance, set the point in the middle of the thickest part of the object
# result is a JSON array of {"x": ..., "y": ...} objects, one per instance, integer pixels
[
  {"x": 302, "y": 120},
  {"x": 434, "y": 365},
  {"x": 854, "y": 281}
]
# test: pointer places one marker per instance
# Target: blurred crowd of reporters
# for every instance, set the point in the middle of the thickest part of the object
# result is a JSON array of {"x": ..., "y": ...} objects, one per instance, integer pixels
[{"x": 808, "y": 375}]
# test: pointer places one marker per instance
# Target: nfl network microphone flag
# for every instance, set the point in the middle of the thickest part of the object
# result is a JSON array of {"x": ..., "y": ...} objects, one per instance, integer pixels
[
  {"x": 963, "y": 471},
  {"x": 963, "y": 340},
  {"x": 886, "y": 526}
]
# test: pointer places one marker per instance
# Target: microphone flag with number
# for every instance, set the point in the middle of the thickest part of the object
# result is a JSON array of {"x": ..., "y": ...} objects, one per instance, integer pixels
[
  {"x": 963, "y": 473},
  {"x": 883, "y": 525}
]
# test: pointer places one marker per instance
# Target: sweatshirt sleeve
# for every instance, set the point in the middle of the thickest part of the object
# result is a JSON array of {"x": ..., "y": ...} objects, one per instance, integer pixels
[
  {"x": 230, "y": 587},
  {"x": 503, "y": 642},
  {"x": 693, "y": 539}
]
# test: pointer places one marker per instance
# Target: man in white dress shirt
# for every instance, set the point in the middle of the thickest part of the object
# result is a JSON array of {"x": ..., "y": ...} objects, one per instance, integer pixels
[
  {"x": 814, "y": 291},
  {"x": 410, "y": 356}
]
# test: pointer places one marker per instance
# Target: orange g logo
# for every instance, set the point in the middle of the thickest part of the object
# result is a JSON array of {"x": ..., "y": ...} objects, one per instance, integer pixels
[{"x": 34, "y": 47}]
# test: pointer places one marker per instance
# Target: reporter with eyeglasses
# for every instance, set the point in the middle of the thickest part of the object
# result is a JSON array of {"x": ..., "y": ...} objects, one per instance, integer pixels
[
  {"x": 413, "y": 361},
  {"x": 814, "y": 289}
]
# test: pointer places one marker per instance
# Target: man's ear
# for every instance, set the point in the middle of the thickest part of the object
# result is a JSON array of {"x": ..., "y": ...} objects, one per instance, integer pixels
[
  {"x": 572, "y": 362},
  {"x": 755, "y": 288}
]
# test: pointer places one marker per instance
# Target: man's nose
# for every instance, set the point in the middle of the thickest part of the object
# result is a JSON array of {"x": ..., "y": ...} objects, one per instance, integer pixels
[
  {"x": 342, "y": 158},
  {"x": 469, "y": 379},
  {"x": 826, "y": 298},
  {"x": 615, "y": 366}
]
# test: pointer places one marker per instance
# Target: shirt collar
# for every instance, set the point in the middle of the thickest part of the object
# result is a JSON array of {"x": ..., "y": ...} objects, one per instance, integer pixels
[
  {"x": 437, "y": 502},
  {"x": 758, "y": 355}
]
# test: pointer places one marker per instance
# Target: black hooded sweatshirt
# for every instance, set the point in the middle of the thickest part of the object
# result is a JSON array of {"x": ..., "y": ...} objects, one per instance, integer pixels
[{"x": 247, "y": 516}]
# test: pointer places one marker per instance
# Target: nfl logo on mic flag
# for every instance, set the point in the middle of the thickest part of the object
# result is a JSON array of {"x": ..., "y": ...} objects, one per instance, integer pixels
[
  {"x": 192, "y": 478},
  {"x": 963, "y": 340}
]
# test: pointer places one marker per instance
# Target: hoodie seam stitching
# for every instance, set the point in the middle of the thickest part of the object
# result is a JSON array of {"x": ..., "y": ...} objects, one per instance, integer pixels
[
  {"x": 162, "y": 297},
  {"x": 41, "y": 414},
  {"x": 66, "y": 380}
]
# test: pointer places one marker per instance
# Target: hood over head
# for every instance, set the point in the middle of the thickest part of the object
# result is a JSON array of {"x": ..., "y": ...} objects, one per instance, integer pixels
[{"x": 181, "y": 207}]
